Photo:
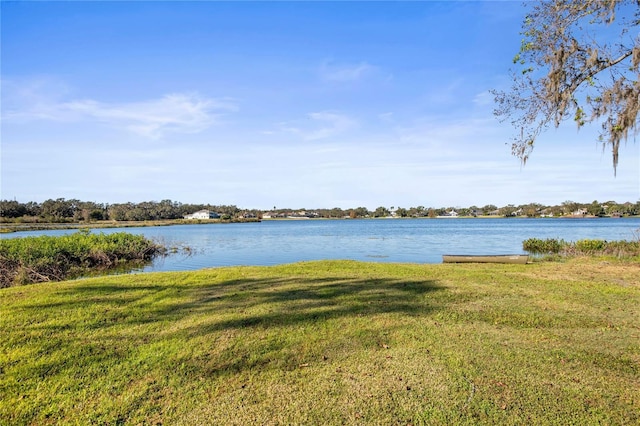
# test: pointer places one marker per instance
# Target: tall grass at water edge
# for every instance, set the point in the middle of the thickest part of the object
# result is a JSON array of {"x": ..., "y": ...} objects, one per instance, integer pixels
[
  {"x": 46, "y": 258},
  {"x": 552, "y": 248}
]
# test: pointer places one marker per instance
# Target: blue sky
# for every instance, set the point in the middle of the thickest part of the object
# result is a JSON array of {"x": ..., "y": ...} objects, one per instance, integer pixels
[{"x": 287, "y": 104}]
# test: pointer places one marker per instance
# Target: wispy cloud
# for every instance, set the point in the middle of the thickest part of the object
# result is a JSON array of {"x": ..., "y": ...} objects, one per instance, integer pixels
[
  {"x": 483, "y": 99},
  {"x": 320, "y": 125},
  {"x": 340, "y": 73},
  {"x": 180, "y": 113},
  {"x": 445, "y": 93},
  {"x": 176, "y": 112},
  {"x": 451, "y": 133},
  {"x": 386, "y": 117}
]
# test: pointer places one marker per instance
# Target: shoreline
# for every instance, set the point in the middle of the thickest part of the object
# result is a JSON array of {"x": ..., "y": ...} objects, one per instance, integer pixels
[{"x": 10, "y": 227}]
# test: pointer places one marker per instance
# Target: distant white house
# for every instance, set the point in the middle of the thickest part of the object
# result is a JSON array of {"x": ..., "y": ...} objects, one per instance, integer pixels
[
  {"x": 451, "y": 213},
  {"x": 203, "y": 214}
]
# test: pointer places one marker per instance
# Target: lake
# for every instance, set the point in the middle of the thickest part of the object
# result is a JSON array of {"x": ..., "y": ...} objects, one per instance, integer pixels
[{"x": 374, "y": 240}]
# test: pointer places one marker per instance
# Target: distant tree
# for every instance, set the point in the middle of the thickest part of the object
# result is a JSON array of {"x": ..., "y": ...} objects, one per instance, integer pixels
[
  {"x": 381, "y": 212},
  {"x": 595, "y": 209},
  {"x": 628, "y": 208},
  {"x": 85, "y": 208},
  {"x": 555, "y": 211},
  {"x": 96, "y": 215},
  {"x": 119, "y": 211},
  {"x": 417, "y": 211},
  {"x": 486, "y": 210},
  {"x": 614, "y": 208},
  {"x": 361, "y": 212},
  {"x": 166, "y": 209},
  {"x": 531, "y": 209},
  {"x": 138, "y": 213},
  {"x": 402, "y": 212},
  {"x": 33, "y": 208},
  {"x": 336, "y": 213},
  {"x": 570, "y": 207},
  {"x": 508, "y": 210},
  {"x": 59, "y": 209},
  {"x": 11, "y": 209},
  {"x": 578, "y": 60},
  {"x": 463, "y": 211},
  {"x": 231, "y": 210}
]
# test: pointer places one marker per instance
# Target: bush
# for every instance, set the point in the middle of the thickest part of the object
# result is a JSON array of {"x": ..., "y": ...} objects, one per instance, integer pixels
[
  {"x": 552, "y": 246},
  {"x": 622, "y": 248},
  {"x": 547, "y": 246},
  {"x": 47, "y": 258},
  {"x": 590, "y": 246}
]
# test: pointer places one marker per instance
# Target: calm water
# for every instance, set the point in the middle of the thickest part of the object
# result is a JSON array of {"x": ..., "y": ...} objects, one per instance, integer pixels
[{"x": 383, "y": 240}]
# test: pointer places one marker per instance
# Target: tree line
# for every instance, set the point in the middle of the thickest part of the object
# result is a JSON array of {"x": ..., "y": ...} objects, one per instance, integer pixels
[{"x": 62, "y": 210}]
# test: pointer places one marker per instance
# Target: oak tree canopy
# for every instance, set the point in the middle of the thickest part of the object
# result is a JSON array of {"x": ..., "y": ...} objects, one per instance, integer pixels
[{"x": 579, "y": 60}]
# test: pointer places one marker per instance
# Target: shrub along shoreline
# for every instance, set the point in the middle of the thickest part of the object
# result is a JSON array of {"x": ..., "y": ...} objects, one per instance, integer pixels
[
  {"x": 551, "y": 248},
  {"x": 55, "y": 258}
]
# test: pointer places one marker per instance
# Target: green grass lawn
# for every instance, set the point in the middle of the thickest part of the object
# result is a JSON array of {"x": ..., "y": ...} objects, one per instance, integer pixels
[{"x": 336, "y": 342}]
